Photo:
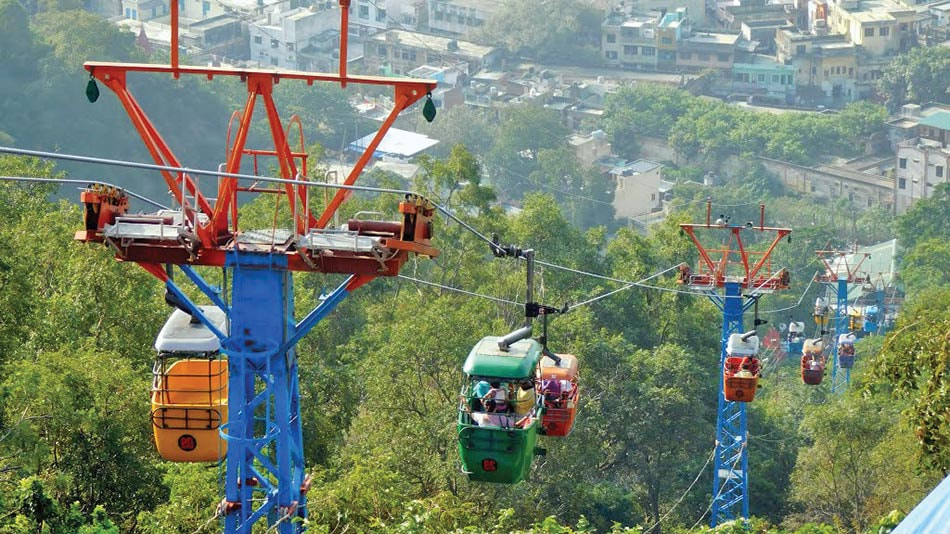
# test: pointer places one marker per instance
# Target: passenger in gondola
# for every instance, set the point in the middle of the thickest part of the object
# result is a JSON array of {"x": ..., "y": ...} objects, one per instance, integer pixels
[
  {"x": 499, "y": 395},
  {"x": 685, "y": 273},
  {"x": 524, "y": 397},
  {"x": 785, "y": 278},
  {"x": 551, "y": 389}
]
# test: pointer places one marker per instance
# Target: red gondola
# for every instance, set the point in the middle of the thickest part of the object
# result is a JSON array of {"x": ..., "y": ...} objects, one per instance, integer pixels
[
  {"x": 741, "y": 370},
  {"x": 813, "y": 362}
]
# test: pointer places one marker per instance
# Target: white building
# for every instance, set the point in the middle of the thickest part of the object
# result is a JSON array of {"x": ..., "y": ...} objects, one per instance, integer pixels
[
  {"x": 279, "y": 37},
  {"x": 923, "y": 162},
  {"x": 637, "y": 189},
  {"x": 591, "y": 147},
  {"x": 458, "y": 17},
  {"x": 371, "y": 16}
]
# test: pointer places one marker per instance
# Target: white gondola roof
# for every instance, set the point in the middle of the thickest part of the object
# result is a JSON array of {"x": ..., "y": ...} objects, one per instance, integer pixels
[
  {"x": 181, "y": 335},
  {"x": 737, "y": 347}
]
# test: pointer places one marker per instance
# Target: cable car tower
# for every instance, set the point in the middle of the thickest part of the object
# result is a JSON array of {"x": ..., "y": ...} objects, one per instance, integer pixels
[
  {"x": 265, "y": 474},
  {"x": 841, "y": 271},
  {"x": 733, "y": 269}
]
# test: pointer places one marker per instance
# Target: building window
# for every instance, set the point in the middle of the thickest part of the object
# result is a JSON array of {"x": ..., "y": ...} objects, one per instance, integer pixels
[
  {"x": 205, "y": 8},
  {"x": 648, "y": 51},
  {"x": 381, "y": 51},
  {"x": 850, "y": 71},
  {"x": 666, "y": 40},
  {"x": 274, "y": 43},
  {"x": 812, "y": 188},
  {"x": 135, "y": 14},
  {"x": 611, "y": 38},
  {"x": 903, "y": 26},
  {"x": 884, "y": 32},
  {"x": 800, "y": 49},
  {"x": 611, "y": 54},
  {"x": 629, "y": 50},
  {"x": 412, "y": 55},
  {"x": 128, "y": 13},
  {"x": 364, "y": 12},
  {"x": 761, "y": 78},
  {"x": 722, "y": 57},
  {"x": 870, "y": 203},
  {"x": 902, "y": 183},
  {"x": 775, "y": 78},
  {"x": 380, "y": 15},
  {"x": 869, "y": 32},
  {"x": 629, "y": 33},
  {"x": 258, "y": 39},
  {"x": 939, "y": 171},
  {"x": 290, "y": 46},
  {"x": 273, "y": 61},
  {"x": 902, "y": 163},
  {"x": 438, "y": 15}
]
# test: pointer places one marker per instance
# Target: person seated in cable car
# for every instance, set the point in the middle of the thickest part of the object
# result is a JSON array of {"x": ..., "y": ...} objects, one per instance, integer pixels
[
  {"x": 499, "y": 394},
  {"x": 821, "y": 307},
  {"x": 551, "y": 390},
  {"x": 524, "y": 397},
  {"x": 813, "y": 362},
  {"x": 741, "y": 369}
]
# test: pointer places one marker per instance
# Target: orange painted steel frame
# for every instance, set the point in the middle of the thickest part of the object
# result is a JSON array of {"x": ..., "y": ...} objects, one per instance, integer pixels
[
  {"x": 717, "y": 270},
  {"x": 831, "y": 276},
  {"x": 260, "y": 83}
]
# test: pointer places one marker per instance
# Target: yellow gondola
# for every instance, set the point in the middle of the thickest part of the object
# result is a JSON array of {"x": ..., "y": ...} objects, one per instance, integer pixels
[{"x": 190, "y": 389}]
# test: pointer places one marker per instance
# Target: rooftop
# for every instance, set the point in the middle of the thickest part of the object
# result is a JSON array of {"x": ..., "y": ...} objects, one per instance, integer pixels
[
  {"x": 433, "y": 43},
  {"x": 713, "y": 38},
  {"x": 940, "y": 120},
  {"x": 483, "y": 5},
  {"x": 396, "y": 142}
]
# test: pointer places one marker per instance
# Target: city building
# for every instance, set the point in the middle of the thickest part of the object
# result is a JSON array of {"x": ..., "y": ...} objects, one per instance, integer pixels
[
  {"x": 278, "y": 39},
  {"x": 826, "y": 66},
  {"x": 144, "y": 9},
  {"x": 396, "y": 52},
  {"x": 449, "y": 92},
  {"x": 636, "y": 188},
  {"x": 732, "y": 13},
  {"x": 904, "y": 125},
  {"x": 881, "y": 27},
  {"x": 629, "y": 41},
  {"x": 707, "y": 49},
  {"x": 459, "y": 17},
  {"x": 590, "y": 147},
  {"x": 763, "y": 76},
  {"x": 923, "y": 162}
]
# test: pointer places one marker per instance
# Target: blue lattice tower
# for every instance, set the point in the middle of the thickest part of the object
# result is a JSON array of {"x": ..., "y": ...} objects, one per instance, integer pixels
[
  {"x": 731, "y": 466},
  {"x": 842, "y": 269},
  {"x": 734, "y": 269},
  {"x": 840, "y": 377}
]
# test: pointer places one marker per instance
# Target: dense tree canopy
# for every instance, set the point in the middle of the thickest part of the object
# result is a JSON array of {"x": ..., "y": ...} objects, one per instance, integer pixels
[{"x": 920, "y": 75}]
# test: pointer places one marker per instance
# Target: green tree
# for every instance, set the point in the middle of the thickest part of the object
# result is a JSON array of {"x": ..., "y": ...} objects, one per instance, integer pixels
[
  {"x": 856, "y": 468},
  {"x": 928, "y": 218},
  {"x": 919, "y": 75},
  {"x": 561, "y": 31}
]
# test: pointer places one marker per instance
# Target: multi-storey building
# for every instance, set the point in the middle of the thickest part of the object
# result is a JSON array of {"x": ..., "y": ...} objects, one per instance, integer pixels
[
  {"x": 629, "y": 41},
  {"x": 762, "y": 75},
  {"x": 277, "y": 39},
  {"x": 458, "y": 17},
  {"x": 826, "y": 66},
  {"x": 881, "y": 27},
  {"x": 923, "y": 162},
  {"x": 398, "y": 52}
]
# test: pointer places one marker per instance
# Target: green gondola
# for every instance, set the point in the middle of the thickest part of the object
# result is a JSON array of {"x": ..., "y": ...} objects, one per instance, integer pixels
[{"x": 501, "y": 448}]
